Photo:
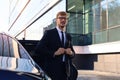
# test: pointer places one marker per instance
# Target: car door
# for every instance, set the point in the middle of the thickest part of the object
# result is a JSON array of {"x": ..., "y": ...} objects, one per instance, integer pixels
[{"x": 16, "y": 63}]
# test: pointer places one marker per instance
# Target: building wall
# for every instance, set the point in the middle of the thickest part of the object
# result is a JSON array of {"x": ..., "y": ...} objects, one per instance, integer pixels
[
  {"x": 108, "y": 63},
  {"x": 28, "y": 18},
  {"x": 104, "y": 62},
  {"x": 101, "y": 57}
]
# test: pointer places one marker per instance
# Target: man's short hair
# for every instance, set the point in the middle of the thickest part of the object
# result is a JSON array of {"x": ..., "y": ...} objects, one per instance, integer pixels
[{"x": 62, "y": 13}]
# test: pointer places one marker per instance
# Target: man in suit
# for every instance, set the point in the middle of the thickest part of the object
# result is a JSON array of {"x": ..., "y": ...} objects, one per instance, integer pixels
[{"x": 56, "y": 50}]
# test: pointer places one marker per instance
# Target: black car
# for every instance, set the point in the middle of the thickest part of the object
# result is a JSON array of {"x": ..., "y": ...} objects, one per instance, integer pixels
[{"x": 16, "y": 63}]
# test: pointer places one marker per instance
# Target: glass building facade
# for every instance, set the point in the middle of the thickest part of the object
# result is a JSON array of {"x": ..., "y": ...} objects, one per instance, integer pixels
[
  {"x": 90, "y": 21},
  {"x": 98, "y": 19}
]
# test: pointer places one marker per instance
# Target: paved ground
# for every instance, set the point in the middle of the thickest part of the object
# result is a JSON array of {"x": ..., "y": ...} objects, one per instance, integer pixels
[{"x": 96, "y": 75}]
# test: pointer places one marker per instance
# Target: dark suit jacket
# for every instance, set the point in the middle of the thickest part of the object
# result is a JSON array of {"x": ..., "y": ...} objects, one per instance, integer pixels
[{"x": 53, "y": 65}]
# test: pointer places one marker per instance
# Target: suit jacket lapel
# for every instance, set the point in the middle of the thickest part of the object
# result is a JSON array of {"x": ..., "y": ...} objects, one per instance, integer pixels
[{"x": 58, "y": 37}]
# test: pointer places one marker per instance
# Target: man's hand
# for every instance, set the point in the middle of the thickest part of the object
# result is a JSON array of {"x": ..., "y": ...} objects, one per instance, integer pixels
[
  {"x": 68, "y": 51},
  {"x": 60, "y": 51}
]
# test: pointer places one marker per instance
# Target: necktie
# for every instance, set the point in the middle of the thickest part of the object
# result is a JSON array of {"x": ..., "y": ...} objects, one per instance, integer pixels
[
  {"x": 67, "y": 66},
  {"x": 63, "y": 46},
  {"x": 62, "y": 39}
]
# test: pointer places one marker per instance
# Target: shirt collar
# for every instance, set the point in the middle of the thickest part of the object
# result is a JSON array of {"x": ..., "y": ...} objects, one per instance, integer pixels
[{"x": 59, "y": 29}]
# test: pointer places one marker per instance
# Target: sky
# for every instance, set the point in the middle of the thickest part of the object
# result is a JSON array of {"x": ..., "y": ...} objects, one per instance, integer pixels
[{"x": 4, "y": 13}]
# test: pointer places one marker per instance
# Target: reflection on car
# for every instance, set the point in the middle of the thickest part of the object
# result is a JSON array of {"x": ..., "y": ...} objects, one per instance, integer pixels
[{"x": 16, "y": 63}]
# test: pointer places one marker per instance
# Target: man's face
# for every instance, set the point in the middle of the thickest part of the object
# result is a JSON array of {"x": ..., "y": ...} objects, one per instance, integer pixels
[{"x": 61, "y": 21}]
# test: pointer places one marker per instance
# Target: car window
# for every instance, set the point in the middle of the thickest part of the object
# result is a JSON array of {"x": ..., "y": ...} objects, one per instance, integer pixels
[
  {"x": 10, "y": 47},
  {"x": 17, "y": 64}
]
